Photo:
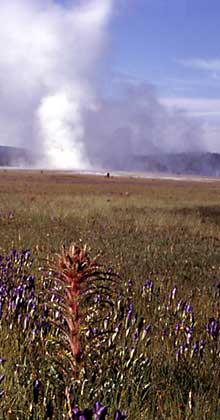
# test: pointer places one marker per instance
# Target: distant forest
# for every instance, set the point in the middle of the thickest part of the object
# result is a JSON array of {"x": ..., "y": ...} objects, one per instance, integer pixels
[
  {"x": 13, "y": 156},
  {"x": 195, "y": 163}
]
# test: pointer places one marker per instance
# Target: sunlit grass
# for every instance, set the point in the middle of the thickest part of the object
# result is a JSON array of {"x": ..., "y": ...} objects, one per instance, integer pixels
[{"x": 164, "y": 232}]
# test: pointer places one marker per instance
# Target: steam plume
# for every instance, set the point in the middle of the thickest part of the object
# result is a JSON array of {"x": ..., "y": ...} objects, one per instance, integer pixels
[
  {"x": 45, "y": 74},
  {"x": 52, "y": 103},
  {"x": 136, "y": 124}
]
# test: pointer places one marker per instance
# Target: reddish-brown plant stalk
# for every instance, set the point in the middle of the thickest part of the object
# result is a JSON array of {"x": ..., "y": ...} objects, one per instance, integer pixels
[{"x": 74, "y": 268}]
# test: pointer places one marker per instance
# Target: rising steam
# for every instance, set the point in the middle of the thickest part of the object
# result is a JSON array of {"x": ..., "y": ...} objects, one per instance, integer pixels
[{"x": 51, "y": 58}]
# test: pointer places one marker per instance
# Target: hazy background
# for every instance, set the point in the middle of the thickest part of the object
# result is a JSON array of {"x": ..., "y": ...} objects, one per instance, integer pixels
[{"x": 73, "y": 89}]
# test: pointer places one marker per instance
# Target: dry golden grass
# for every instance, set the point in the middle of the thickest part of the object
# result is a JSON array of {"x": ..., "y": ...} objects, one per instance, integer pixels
[{"x": 162, "y": 230}]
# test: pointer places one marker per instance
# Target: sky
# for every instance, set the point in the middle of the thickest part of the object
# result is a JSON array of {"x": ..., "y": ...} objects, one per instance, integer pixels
[
  {"x": 175, "y": 46},
  {"x": 94, "y": 83}
]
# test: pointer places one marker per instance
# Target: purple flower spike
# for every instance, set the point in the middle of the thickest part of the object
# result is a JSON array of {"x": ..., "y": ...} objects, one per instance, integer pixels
[
  {"x": 188, "y": 308},
  {"x": 130, "y": 283},
  {"x": 36, "y": 389},
  {"x": 130, "y": 307},
  {"x": 163, "y": 333},
  {"x": 135, "y": 335},
  {"x": 177, "y": 327},
  {"x": 96, "y": 406},
  {"x": 148, "y": 284},
  {"x": 86, "y": 414},
  {"x": 75, "y": 412},
  {"x": 148, "y": 328},
  {"x": 99, "y": 411},
  {"x": 82, "y": 414},
  {"x": 119, "y": 416},
  {"x": 213, "y": 328},
  {"x": 195, "y": 348}
]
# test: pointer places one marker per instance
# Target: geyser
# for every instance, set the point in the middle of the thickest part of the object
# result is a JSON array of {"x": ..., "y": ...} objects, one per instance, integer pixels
[
  {"x": 46, "y": 75},
  {"x": 52, "y": 98}
]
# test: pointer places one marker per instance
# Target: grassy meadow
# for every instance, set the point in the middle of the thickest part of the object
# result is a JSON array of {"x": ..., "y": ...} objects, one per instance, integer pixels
[{"x": 150, "y": 338}]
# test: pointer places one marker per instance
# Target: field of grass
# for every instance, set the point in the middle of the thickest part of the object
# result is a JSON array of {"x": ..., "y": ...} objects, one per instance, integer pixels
[{"x": 153, "y": 352}]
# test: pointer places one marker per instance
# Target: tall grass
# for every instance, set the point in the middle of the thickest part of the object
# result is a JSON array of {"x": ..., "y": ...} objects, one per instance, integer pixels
[{"x": 138, "y": 332}]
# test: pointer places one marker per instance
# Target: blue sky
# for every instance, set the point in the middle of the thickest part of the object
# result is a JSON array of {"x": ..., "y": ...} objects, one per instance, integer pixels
[
  {"x": 161, "y": 41},
  {"x": 173, "y": 44}
]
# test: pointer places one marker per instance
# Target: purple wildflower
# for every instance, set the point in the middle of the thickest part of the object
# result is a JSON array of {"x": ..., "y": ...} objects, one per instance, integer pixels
[
  {"x": 36, "y": 390},
  {"x": 195, "y": 349},
  {"x": 85, "y": 414},
  {"x": 130, "y": 283},
  {"x": 177, "y": 327},
  {"x": 148, "y": 328},
  {"x": 149, "y": 284},
  {"x": 188, "y": 308},
  {"x": 119, "y": 416},
  {"x": 135, "y": 335},
  {"x": 163, "y": 333},
  {"x": 213, "y": 328},
  {"x": 99, "y": 411}
]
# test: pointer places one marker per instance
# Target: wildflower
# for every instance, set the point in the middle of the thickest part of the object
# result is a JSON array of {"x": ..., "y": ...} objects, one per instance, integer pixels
[
  {"x": 130, "y": 307},
  {"x": 189, "y": 332},
  {"x": 148, "y": 284},
  {"x": 163, "y": 332},
  {"x": 130, "y": 283},
  {"x": 119, "y": 416},
  {"x": 188, "y": 308},
  {"x": 36, "y": 389},
  {"x": 179, "y": 304},
  {"x": 194, "y": 350},
  {"x": 148, "y": 328},
  {"x": 76, "y": 275},
  {"x": 135, "y": 335},
  {"x": 177, "y": 327},
  {"x": 97, "y": 299},
  {"x": 213, "y": 328},
  {"x": 82, "y": 414},
  {"x": 99, "y": 411}
]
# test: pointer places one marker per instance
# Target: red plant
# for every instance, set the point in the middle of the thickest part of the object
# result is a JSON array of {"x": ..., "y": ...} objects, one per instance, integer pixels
[{"x": 75, "y": 268}]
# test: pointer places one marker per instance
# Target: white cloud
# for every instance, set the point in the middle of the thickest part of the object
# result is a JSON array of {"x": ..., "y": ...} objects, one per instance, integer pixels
[
  {"x": 193, "y": 106},
  {"x": 212, "y": 65}
]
